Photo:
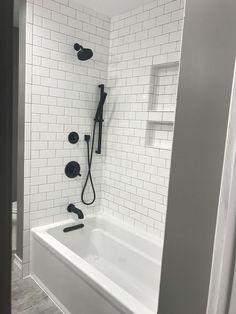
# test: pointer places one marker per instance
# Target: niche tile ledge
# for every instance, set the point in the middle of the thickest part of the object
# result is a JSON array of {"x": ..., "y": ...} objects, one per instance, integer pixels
[{"x": 159, "y": 134}]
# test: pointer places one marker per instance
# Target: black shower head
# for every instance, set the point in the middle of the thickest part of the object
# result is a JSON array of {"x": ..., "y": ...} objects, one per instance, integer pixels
[{"x": 83, "y": 53}]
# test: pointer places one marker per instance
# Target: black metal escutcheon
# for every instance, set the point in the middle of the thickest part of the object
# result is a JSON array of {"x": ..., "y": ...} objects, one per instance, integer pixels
[
  {"x": 73, "y": 137},
  {"x": 72, "y": 169}
]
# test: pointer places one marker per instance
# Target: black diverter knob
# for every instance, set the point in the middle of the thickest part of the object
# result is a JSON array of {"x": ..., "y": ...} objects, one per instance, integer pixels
[{"x": 73, "y": 137}]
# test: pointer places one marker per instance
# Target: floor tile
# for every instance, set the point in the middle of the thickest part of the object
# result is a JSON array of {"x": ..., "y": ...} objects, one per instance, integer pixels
[{"x": 28, "y": 298}]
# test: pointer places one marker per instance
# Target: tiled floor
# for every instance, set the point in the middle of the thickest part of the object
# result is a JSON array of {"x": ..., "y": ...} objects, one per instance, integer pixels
[{"x": 28, "y": 298}]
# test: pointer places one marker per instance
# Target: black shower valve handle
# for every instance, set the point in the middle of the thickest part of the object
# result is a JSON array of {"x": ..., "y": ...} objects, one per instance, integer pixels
[
  {"x": 72, "y": 169},
  {"x": 77, "y": 174}
]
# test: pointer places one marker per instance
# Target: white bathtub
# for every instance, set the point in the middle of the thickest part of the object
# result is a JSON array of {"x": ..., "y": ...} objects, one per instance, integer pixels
[{"x": 103, "y": 268}]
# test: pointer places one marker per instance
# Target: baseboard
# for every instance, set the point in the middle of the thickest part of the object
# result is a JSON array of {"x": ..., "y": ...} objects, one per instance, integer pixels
[
  {"x": 17, "y": 265},
  {"x": 18, "y": 262}
]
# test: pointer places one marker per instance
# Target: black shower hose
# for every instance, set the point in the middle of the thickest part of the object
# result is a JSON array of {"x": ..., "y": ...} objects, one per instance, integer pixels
[{"x": 89, "y": 174}]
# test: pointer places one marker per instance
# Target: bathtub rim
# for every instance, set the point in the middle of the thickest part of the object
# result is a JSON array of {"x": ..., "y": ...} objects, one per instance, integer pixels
[
  {"x": 100, "y": 282},
  {"x": 110, "y": 219}
]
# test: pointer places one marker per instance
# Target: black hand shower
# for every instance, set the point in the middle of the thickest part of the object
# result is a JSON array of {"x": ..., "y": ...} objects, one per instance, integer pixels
[
  {"x": 99, "y": 116},
  {"x": 98, "y": 119},
  {"x": 83, "y": 54}
]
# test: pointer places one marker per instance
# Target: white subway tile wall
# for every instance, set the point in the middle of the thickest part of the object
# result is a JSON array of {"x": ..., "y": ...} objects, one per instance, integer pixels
[
  {"x": 162, "y": 105},
  {"x": 61, "y": 96},
  {"x": 144, "y": 51},
  {"x": 62, "y": 93}
]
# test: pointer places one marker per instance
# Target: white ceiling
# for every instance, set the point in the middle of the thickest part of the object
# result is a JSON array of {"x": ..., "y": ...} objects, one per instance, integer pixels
[{"x": 113, "y": 7}]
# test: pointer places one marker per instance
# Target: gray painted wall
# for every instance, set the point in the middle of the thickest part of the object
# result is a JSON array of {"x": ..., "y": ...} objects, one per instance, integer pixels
[
  {"x": 208, "y": 55},
  {"x": 225, "y": 241}
]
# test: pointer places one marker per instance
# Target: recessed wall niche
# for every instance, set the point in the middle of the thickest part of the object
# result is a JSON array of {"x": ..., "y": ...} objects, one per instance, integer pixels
[
  {"x": 162, "y": 105},
  {"x": 160, "y": 135},
  {"x": 163, "y": 87}
]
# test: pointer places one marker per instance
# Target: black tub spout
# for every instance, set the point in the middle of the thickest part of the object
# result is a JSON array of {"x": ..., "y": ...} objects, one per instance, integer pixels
[{"x": 72, "y": 209}]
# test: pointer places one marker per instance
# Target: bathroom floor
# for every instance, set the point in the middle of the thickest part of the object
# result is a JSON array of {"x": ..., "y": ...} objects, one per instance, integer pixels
[{"x": 28, "y": 298}]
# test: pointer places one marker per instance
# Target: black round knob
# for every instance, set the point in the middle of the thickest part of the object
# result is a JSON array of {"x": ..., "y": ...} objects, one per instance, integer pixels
[
  {"x": 73, "y": 137},
  {"x": 72, "y": 169},
  {"x": 77, "y": 47}
]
